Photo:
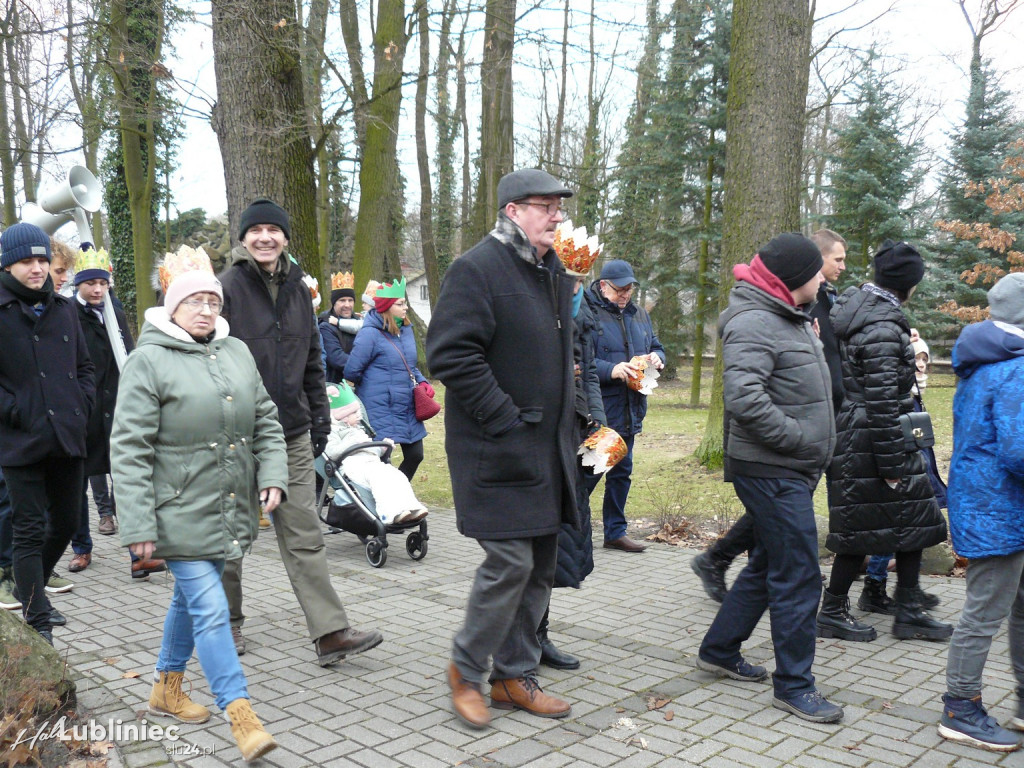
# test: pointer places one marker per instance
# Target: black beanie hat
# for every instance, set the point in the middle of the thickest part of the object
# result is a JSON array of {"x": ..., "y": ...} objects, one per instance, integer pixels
[
  {"x": 263, "y": 210},
  {"x": 898, "y": 266},
  {"x": 792, "y": 258},
  {"x": 340, "y": 293}
]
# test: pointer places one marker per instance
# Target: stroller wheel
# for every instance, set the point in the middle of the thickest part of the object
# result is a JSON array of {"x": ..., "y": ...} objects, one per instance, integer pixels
[
  {"x": 376, "y": 553},
  {"x": 416, "y": 546}
]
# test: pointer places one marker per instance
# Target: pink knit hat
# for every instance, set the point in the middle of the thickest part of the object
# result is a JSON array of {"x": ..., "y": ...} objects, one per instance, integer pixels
[{"x": 186, "y": 284}]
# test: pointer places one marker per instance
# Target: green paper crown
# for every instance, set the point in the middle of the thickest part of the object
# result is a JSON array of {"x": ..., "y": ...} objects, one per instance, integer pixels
[
  {"x": 93, "y": 259},
  {"x": 340, "y": 395},
  {"x": 395, "y": 290}
]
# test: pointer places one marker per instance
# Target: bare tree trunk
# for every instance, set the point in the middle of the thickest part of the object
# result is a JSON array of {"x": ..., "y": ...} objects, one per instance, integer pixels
[
  {"x": 136, "y": 99},
  {"x": 22, "y": 143},
  {"x": 768, "y": 72},
  {"x": 703, "y": 261},
  {"x": 10, "y": 211},
  {"x": 460, "y": 115},
  {"x": 447, "y": 127},
  {"x": 261, "y": 119},
  {"x": 423, "y": 160},
  {"x": 556, "y": 160},
  {"x": 313, "y": 69},
  {"x": 377, "y": 249},
  {"x": 354, "y": 50},
  {"x": 496, "y": 144}
]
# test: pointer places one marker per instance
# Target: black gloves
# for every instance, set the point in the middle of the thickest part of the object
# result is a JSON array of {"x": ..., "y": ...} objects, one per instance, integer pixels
[{"x": 318, "y": 436}]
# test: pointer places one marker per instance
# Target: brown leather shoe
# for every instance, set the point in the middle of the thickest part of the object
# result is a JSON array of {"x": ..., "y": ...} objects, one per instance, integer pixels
[
  {"x": 524, "y": 693},
  {"x": 625, "y": 544},
  {"x": 467, "y": 699},
  {"x": 335, "y": 646},
  {"x": 80, "y": 562},
  {"x": 142, "y": 568}
]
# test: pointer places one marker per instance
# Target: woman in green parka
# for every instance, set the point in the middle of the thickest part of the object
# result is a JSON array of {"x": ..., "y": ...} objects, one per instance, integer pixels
[{"x": 196, "y": 448}]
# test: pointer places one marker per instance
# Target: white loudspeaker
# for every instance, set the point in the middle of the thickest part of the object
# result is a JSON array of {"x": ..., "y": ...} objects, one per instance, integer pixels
[
  {"x": 80, "y": 190},
  {"x": 48, "y": 222}
]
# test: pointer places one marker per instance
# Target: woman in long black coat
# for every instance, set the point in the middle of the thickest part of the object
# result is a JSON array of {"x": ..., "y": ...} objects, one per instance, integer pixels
[{"x": 880, "y": 499}]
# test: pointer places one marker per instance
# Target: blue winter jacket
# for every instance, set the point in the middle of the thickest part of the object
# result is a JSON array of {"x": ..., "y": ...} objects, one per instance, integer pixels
[
  {"x": 382, "y": 381},
  {"x": 986, "y": 474},
  {"x": 621, "y": 334}
]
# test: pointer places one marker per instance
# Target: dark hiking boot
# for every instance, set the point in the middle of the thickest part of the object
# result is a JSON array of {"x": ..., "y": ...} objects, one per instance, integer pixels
[
  {"x": 834, "y": 620},
  {"x": 551, "y": 656},
  {"x": 966, "y": 721},
  {"x": 741, "y": 670},
  {"x": 874, "y": 598},
  {"x": 928, "y": 601},
  {"x": 711, "y": 571},
  {"x": 810, "y": 706},
  {"x": 912, "y": 621}
]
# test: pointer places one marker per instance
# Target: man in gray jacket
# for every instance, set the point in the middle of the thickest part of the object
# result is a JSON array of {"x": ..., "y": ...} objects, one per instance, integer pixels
[{"x": 779, "y": 436}]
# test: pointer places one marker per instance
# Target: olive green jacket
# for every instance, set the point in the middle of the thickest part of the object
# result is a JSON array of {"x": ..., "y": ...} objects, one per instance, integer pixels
[{"x": 195, "y": 437}]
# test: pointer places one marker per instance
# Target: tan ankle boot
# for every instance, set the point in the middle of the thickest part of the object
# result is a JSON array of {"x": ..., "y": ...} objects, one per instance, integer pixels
[
  {"x": 253, "y": 740},
  {"x": 167, "y": 698}
]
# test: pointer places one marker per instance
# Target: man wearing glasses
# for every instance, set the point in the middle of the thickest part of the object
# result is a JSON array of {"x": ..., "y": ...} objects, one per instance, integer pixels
[
  {"x": 267, "y": 305},
  {"x": 501, "y": 340},
  {"x": 624, "y": 332}
]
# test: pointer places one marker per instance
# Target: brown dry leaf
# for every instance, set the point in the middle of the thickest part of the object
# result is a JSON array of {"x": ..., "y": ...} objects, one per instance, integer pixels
[
  {"x": 100, "y": 747},
  {"x": 21, "y": 754},
  {"x": 130, "y": 675},
  {"x": 887, "y": 705},
  {"x": 851, "y": 747},
  {"x": 669, "y": 714},
  {"x": 281, "y": 24},
  {"x": 112, "y": 660},
  {"x": 656, "y": 702},
  {"x": 79, "y": 764},
  {"x": 391, "y": 50},
  {"x": 620, "y": 710}
]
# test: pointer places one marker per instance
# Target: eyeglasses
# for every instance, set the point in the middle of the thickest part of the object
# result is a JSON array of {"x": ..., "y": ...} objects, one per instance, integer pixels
[
  {"x": 550, "y": 208},
  {"x": 626, "y": 289},
  {"x": 196, "y": 305}
]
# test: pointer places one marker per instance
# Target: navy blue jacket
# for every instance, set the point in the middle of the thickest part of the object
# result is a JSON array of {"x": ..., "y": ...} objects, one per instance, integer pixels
[
  {"x": 621, "y": 335},
  {"x": 47, "y": 381},
  {"x": 986, "y": 474},
  {"x": 382, "y": 381},
  {"x": 337, "y": 345}
]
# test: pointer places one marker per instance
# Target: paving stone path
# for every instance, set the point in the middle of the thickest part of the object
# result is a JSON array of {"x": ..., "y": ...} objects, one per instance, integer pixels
[{"x": 637, "y": 700}]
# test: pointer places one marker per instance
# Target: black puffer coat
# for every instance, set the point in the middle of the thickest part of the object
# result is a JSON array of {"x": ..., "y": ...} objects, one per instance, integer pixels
[{"x": 866, "y": 515}]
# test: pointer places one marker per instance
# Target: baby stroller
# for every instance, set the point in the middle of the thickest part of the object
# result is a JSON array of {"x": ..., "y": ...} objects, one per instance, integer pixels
[{"x": 344, "y": 505}]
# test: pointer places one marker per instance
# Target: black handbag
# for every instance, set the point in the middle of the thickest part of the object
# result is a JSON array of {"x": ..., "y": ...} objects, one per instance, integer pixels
[{"x": 917, "y": 430}]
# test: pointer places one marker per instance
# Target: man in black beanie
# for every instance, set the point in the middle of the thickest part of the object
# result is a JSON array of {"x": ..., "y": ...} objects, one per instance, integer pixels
[
  {"x": 779, "y": 433},
  {"x": 898, "y": 267},
  {"x": 338, "y": 326}
]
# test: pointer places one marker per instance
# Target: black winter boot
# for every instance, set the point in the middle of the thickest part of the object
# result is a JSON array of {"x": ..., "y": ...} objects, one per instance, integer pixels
[
  {"x": 834, "y": 620},
  {"x": 711, "y": 571},
  {"x": 928, "y": 600},
  {"x": 549, "y": 654},
  {"x": 874, "y": 598},
  {"x": 912, "y": 621}
]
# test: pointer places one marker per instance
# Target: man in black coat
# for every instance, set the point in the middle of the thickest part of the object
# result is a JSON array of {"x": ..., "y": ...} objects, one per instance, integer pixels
[
  {"x": 501, "y": 340},
  {"x": 46, "y": 393},
  {"x": 712, "y": 565},
  {"x": 338, "y": 337},
  {"x": 267, "y": 306}
]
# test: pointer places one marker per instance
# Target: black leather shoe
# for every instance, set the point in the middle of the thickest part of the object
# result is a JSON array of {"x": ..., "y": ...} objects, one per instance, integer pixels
[
  {"x": 552, "y": 657},
  {"x": 57, "y": 618}
]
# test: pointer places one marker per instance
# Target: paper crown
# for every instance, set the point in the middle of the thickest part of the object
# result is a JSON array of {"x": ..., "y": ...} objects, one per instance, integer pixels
[
  {"x": 314, "y": 289},
  {"x": 602, "y": 450},
  {"x": 577, "y": 252},
  {"x": 341, "y": 280},
  {"x": 340, "y": 395},
  {"x": 93, "y": 259},
  {"x": 646, "y": 378},
  {"x": 185, "y": 259},
  {"x": 395, "y": 290}
]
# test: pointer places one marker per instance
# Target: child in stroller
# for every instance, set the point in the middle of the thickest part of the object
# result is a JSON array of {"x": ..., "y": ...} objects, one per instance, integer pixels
[{"x": 365, "y": 495}]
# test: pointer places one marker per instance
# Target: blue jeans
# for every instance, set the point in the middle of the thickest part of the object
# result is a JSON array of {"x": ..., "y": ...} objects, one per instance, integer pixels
[
  {"x": 6, "y": 531},
  {"x": 617, "y": 481},
  {"x": 878, "y": 566},
  {"x": 197, "y": 618},
  {"x": 782, "y": 575}
]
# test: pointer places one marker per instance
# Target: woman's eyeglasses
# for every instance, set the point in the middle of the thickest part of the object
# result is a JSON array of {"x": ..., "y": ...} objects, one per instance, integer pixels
[{"x": 196, "y": 305}]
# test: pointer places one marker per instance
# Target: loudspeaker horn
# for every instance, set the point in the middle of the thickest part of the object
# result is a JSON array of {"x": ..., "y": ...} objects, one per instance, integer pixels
[
  {"x": 48, "y": 222},
  {"x": 80, "y": 190}
]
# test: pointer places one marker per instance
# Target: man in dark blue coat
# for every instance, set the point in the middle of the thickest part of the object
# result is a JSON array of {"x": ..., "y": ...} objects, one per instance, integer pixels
[
  {"x": 501, "y": 340},
  {"x": 46, "y": 393},
  {"x": 624, "y": 331}
]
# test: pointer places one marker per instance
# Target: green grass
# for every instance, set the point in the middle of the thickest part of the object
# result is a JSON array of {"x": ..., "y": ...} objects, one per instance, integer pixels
[{"x": 668, "y": 482}]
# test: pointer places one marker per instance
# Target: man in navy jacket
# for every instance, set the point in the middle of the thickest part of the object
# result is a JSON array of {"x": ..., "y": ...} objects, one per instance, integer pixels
[{"x": 624, "y": 331}]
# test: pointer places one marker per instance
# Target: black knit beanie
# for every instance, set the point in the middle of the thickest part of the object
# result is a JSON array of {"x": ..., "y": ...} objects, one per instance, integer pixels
[
  {"x": 898, "y": 266},
  {"x": 340, "y": 293},
  {"x": 263, "y": 210},
  {"x": 792, "y": 258}
]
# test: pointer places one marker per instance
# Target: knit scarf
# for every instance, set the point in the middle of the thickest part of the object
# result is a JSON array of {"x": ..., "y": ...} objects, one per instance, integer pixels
[
  {"x": 881, "y": 293},
  {"x": 508, "y": 232},
  {"x": 30, "y": 296}
]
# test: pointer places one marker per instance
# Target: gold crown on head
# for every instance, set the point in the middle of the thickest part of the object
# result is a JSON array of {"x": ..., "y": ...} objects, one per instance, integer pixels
[
  {"x": 93, "y": 259},
  {"x": 341, "y": 280},
  {"x": 185, "y": 259},
  {"x": 577, "y": 252}
]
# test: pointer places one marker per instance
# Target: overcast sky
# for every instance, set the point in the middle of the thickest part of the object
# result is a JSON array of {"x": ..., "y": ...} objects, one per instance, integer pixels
[{"x": 928, "y": 39}]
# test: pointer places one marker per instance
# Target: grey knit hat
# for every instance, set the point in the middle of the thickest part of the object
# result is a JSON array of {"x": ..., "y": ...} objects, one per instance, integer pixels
[{"x": 1006, "y": 299}]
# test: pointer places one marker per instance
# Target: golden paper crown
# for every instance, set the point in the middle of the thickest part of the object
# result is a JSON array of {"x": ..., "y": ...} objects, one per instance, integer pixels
[
  {"x": 341, "y": 280},
  {"x": 577, "y": 252},
  {"x": 185, "y": 259},
  {"x": 93, "y": 259}
]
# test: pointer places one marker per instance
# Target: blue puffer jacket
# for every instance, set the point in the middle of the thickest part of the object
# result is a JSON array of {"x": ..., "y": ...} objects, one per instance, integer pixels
[
  {"x": 382, "y": 382},
  {"x": 621, "y": 334},
  {"x": 986, "y": 474}
]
